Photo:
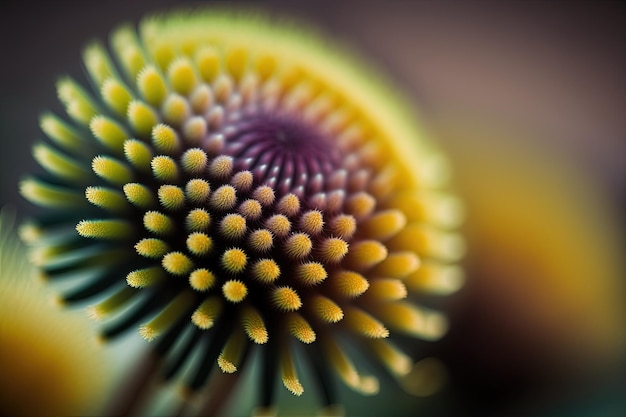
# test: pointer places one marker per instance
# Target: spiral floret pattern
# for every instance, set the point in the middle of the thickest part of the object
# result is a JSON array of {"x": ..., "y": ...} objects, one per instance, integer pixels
[{"x": 222, "y": 197}]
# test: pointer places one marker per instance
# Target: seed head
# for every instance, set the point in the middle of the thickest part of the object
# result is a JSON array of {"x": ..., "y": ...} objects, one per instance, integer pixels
[{"x": 260, "y": 195}]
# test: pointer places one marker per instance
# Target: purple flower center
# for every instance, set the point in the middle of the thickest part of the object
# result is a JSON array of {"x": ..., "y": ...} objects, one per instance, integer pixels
[{"x": 283, "y": 152}]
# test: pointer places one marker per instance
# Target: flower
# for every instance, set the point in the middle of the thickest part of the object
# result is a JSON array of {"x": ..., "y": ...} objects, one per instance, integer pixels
[{"x": 237, "y": 183}]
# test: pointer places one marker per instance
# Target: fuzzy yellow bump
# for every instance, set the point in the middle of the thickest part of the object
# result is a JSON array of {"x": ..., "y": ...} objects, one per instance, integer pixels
[
  {"x": 230, "y": 357},
  {"x": 151, "y": 248},
  {"x": 139, "y": 195},
  {"x": 266, "y": 270},
  {"x": 48, "y": 195},
  {"x": 195, "y": 129},
  {"x": 148, "y": 333},
  {"x": 397, "y": 265},
  {"x": 226, "y": 366},
  {"x": 234, "y": 291},
  {"x": 182, "y": 76},
  {"x": 141, "y": 117},
  {"x": 254, "y": 326},
  {"x": 167, "y": 317},
  {"x": 164, "y": 54},
  {"x": 197, "y": 190},
  {"x": 387, "y": 289},
  {"x": 279, "y": 225},
  {"x": 68, "y": 89},
  {"x": 429, "y": 241},
  {"x": 383, "y": 224},
  {"x": 250, "y": 209},
  {"x": 109, "y": 132},
  {"x": 215, "y": 118},
  {"x": 223, "y": 87},
  {"x": 312, "y": 222},
  {"x": 30, "y": 232},
  {"x": 58, "y": 163},
  {"x": 288, "y": 373},
  {"x": 199, "y": 243},
  {"x": 42, "y": 255},
  {"x": 224, "y": 198},
  {"x": 116, "y": 95},
  {"x": 138, "y": 154},
  {"x": 264, "y": 195},
  {"x": 368, "y": 385},
  {"x": 289, "y": 205},
  {"x": 201, "y": 279},
  {"x": 335, "y": 200},
  {"x": 221, "y": 167},
  {"x": 207, "y": 60},
  {"x": 363, "y": 323},
  {"x": 332, "y": 250},
  {"x": 194, "y": 161},
  {"x": 198, "y": 220},
  {"x": 384, "y": 181},
  {"x": 164, "y": 168},
  {"x": 143, "y": 278},
  {"x": 204, "y": 316},
  {"x": 366, "y": 254},
  {"x": 105, "y": 229},
  {"x": 111, "y": 304},
  {"x": 360, "y": 205},
  {"x": 60, "y": 132},
  {"x": 341, "y": 364},
  {"x": 165, "y": 139},
  {"x": 158, "y": 223},
  {"x": 177, "y": 263},
  {"x": 326, "y": 309},
  {"x": 298, "y": 245},
  {"x": 261, "y": 240},
  {"x": 131, "y": 57},
  {"x": 233, "y": 226},
  {"x": 98, "y": 63},
  {"x": 77, "y": 103},
  {"x": 201, "y": 99},
  {"x": 445, "y": 211},
  {"x": 151, "y": 85},
  {"x": 171, "y": 197},
  {"x": 286, "y": 299},
  {"x": 311, "y": 273},
  {"x": 437, "y": 208},
  {"x": 106, "y": 198},
  {"x": 411, "y": 319},
  {"x": 242, "y": 181},
  {"x": 111, "y": 170},
  {"x": 125, "y": 44},
  {"x": 236, "y": 61},
  {"x": 264, "y": 66},
  {"x": 397, "y": 362},
  {"x": 349, "y": 283},
  {"x": 214, "y": 144},
  {"x": 436, "y": 278},
  {"x": 234, "y": 260},
  {"x": 175, "y": 109},
  {"x": 300, "y": 328}
]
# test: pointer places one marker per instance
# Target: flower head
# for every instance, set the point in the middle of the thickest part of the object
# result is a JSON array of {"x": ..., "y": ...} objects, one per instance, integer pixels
[{"x": 239, "y": 184}]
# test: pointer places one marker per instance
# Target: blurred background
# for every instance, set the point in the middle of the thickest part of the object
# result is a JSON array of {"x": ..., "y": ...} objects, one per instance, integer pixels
[{"x": 529, "y": 101}]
